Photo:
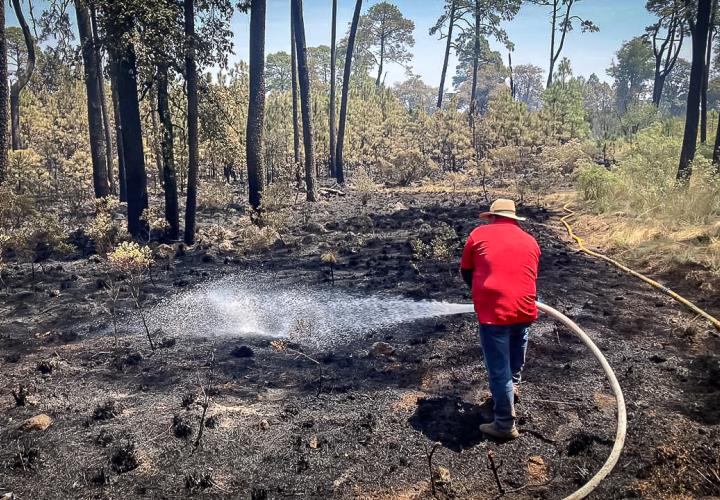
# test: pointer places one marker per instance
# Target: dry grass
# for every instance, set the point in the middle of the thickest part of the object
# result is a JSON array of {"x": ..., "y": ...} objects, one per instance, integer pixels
[
  {"x": 436, "y": 187},
  {"x": 652, "y": 243}
]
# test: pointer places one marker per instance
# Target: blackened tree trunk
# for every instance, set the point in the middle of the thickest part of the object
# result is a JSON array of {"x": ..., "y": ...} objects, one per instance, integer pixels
[
  {"x": 103, "y": 102},
  {"x": 382, "y": 60},
  {"x": 118, "y": 132},
  {"x": 296, "y": 113},
  {"x": 256, "y": 104},
  {"x": 333, "y": 84},
  {"x": 666, "y": 51},
  {"x": 192, "y": 122},
  {"x": 564, "y": 28},
  {"x": 15, "y": 139},
  {"x": 716, "y": 149},
  {"x": 448, "y": 45},
  {"x": 168, "y": 158},
  {"x": 476, "y": 60},
  {"x": 340, "y": 168},
  {"x": 156, "y": 139},
  {"x": 94, "y": 106},
  {"x": 699, "y": 44},
  {"x": 706, "y": 76},
  {"x": 305, "y": 98},
  {"x": 4, "y": 91},
  {"x": 23, "y": 76},
  {"x": 512, "y": 79},
  {"x": 658, "y": 86},
  {"x": 129, "y": 105}
]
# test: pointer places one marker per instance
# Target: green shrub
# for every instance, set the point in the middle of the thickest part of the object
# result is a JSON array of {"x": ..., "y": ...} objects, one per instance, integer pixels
[
  {"x": 596, "y": 183},
  {"x": 643, "y": 182}
]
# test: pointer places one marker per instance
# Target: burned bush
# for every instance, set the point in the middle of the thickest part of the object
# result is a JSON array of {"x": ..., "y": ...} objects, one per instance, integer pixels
[
  {"x": 100, "y": 478},
  {"x": 106, "y": 411},
  {"x": 188, "y": 400},
  {"x": 104, "y": 438},
  {"x": 20, "y": 396},
  {"x": 45, "y": 367},
  {"x": 198, "y": 481},
  {"x": 123, "y": 457},
  {"x": 181, "y": 427},
  {"x": 128, "y": 359},
  {"x": 27, "y": 457}
]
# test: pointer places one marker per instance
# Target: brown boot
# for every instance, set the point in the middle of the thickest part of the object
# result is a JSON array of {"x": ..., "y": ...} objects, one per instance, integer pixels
[
  {"x": 486, "y": 409},
  {"x": 492, "y": 430}
]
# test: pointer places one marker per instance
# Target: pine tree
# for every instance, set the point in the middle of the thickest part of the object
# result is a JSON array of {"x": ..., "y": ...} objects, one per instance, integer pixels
[
  {"x": 256, "y": 106},
  {"x": 340, "y": 168},
  {"x": 192, "y": 121},
  {"x": 305, "y": 97},
  {"x": 94, "y": 104}
]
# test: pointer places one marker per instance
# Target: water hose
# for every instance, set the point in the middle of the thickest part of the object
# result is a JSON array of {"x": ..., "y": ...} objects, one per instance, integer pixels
[
  {"x": 581, "y": 244},
  {"x": 617, "y": 391}
]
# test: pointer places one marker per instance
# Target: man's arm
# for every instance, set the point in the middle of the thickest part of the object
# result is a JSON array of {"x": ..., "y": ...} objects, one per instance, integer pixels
[
  {"x": 467, "y": 262},
  {"x": 467, "y": 275}
]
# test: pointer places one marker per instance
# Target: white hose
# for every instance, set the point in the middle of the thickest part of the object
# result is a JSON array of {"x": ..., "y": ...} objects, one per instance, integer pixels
[{"x": 614, "y": 385}]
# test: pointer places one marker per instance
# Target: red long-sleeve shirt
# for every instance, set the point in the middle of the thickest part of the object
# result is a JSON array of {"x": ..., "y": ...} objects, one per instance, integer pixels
[{"x": 504, "y": 260}]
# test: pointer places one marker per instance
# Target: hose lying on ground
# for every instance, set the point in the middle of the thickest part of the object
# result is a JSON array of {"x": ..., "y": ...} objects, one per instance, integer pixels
[
  {"x": 715, "y": 322},
  {"x": 617, "y": 391}
]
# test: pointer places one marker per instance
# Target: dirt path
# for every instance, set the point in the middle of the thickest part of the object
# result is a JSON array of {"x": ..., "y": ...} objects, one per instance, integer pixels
[{"x": 355, "y": 426}]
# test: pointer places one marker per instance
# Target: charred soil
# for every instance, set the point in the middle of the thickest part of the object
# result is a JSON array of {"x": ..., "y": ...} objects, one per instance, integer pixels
[{"x": 231, "y": 417}]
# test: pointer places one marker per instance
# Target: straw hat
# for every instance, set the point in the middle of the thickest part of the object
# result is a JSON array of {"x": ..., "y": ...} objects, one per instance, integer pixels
[{"x": 502, "y": 208}]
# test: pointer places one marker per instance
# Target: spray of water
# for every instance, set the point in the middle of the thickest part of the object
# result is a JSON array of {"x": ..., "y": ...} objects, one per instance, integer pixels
[{"x": 257, "y": 305}]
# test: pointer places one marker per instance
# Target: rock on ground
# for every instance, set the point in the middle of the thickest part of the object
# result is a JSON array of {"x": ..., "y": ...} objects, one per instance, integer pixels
[{"x": 37, "y": 423}]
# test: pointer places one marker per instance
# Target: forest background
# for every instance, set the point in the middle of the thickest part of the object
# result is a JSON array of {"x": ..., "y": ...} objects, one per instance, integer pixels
[{"x": 126, "y": 118}]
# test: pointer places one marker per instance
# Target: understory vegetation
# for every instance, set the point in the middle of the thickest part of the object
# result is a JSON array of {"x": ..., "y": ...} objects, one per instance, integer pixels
[
  {"x": 501, "y": 129},
  {"x": 646, "y": 216}
]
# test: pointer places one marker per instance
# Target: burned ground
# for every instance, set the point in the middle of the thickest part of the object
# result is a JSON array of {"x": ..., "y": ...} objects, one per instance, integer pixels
[{"x": 352, "y": 425}]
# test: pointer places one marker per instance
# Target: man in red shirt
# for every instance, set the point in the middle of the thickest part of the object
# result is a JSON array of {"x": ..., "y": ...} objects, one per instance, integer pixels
[{"x": 500, "y": 264}]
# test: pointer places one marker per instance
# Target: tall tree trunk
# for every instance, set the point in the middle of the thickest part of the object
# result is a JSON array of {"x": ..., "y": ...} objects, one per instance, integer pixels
[
  {"x": 476, "y": 56},
  {"x": 333, "y": 85},
  {"x": 699, "y": 44},
  {"x": 305, "y": 98},
  {"x": 156, "y": 139},
  {"x": 23, "y": 76},
  {"x": 716, "y": 149},
  {"x": 94, "y": 106},
  {"x": 512, "y": 80},
  {"x": 4, "y": 94},
  {"x": 706, "y": 76},
  {"x": 118, "y": 131},
  {"x": 553, "y": 24},
  {"x": 15, "y": 139},
  {"x": 192, "y": 122},
  {"x": 555, "y": 54},
  {"x": 340, "y": 168},
  {"x": 296, "y": 112},
  {"x": 667, "y": 54},
  {"x": 129, "y": 106},
  {"x": 168, "y": 158},
  {"x": 658, "y": 88},
  {"x": 382, "y": 60},
  {"x": 103, "y": 102},
  {"x": 256, "y": 104},
  {"x": 448, "y": 45}
]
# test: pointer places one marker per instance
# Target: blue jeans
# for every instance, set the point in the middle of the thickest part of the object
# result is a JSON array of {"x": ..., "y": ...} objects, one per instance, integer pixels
[{"x": 504, "y": 348}]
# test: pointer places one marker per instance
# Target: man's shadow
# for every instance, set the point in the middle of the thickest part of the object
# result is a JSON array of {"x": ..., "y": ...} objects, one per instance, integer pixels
[{"x": 450, "y": 421}]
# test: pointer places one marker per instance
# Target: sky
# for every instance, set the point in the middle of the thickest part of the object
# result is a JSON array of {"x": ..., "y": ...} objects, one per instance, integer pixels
[{"x": 618, "y": 20}]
